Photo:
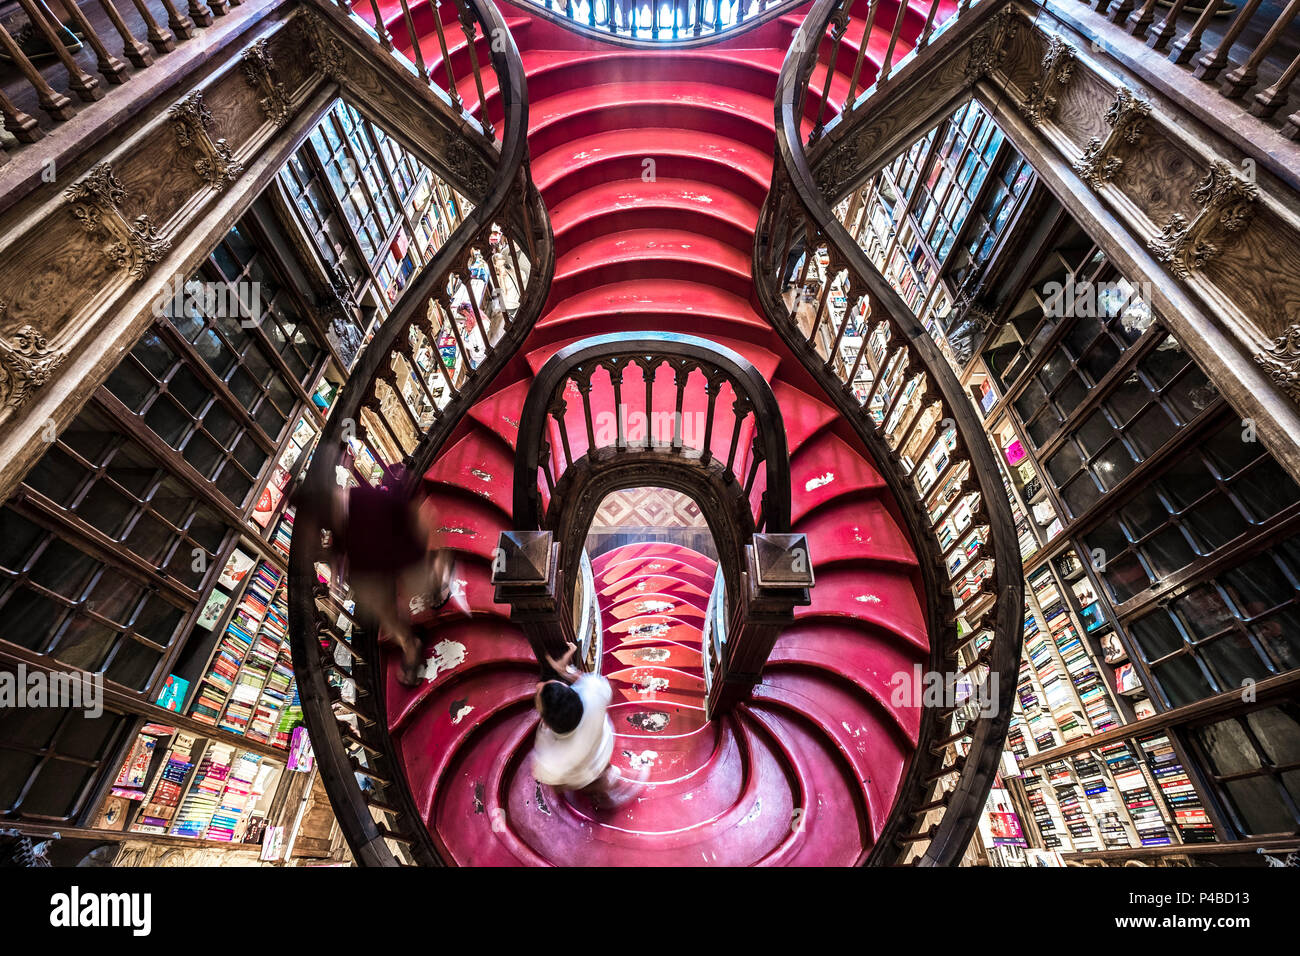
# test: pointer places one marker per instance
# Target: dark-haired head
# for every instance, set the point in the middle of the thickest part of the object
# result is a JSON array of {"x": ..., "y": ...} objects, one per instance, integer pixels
[{"x": 559, "y": 706}]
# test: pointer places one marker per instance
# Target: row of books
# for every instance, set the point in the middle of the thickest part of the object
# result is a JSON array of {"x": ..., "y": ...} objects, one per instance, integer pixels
[
  {"x": 204, "y": 795},
  {"x": 224, "y": 680},
  {"x": 1180, "y": 795},
  {"x": 1135, "y": 790}
]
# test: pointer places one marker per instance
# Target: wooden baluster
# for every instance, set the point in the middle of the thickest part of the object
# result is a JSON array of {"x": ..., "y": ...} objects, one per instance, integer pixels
[
  {"x": 839, "y": 335},
  {"x": 680, "y": 379},
  {"x": 112, "y": 69},
  {"x": 838, "y": 27},
  {"x": 862, "y": 52},
  {"x": 415, "y": 39},
  {"x": 616, "y": 380},
  {"x": 740, "y": 408},
  {"x": 1238, "y": 81},
  {"x": 823, "y": 311},
  {"x": 181, "y": 25},
  {"x": 1267, "y": 102},
  {"x": 558, "y": 408},
  {"x": 654, "y": 19},
  {"x": 1140, "y": 19},
  {"x": 199, "y": 15},
  {"x": 79, "y": 81},
  {"x": 584, "y": 389},
  {"x": 381, "y": 31},
  {"x": 24, "y": 128},
  {"x": 417, "y": 375},
  {"x": 648, "y": 372},
  {"x": 476, "y": 316},
  {"x": 446, "y": 60},
  {"x": 756, "y": 459},
  {"x": 135, "y": 51},
  {"x": 433, "y": 335},
  {"x": 52, "y": 102},
  {"x": 717, "y": 16},
  {"x": 863, "y": 348},
  {"x": 711, "y": 388},
  {"x": 697, "y": 26},
  {"x": 219, "y": 7},
  {"x": 1209, "y": 66},
  {"x": 469, "y": 25},
  {"x": 455, "y": 334},
  {"x": 591, "y": 12},
  {"x": 928, "y": 29},
  {"x": 1292, "y": 128},
  {"x": 1190, "y": 42},
  {"x": 390, "y": 380},
  {"x": 161, "y": 39},
  {"x": 888, "y": 63},
  {"x": 547, "y": 465},
  {"x": 1119, "y": 13},
  {"x": 1162, "y": 34}
]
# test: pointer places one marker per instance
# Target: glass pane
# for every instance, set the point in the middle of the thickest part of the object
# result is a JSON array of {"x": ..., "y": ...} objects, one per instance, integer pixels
[
  {"x": 1182, "y": 681},
  {"x": 1278, "y": 731},
  {"x": 1258, "y": 802}
]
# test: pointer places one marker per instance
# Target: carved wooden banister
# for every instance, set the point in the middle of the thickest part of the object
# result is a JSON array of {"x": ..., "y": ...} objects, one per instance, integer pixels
[
  {"x": 569, "y": 455},
  {"x": 402, "y": 401},
  {"x": 893, "y": 385}
]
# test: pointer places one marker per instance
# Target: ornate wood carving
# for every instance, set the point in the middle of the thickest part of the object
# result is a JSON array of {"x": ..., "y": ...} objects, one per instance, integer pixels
[
  {"x": 96, "y": 201},
  {"x": 1226, "y": 202},
  {"x": 466, "y": 166},
  {"x": 215, "y": 164},
  {"x": 1126, "y": 118},
  {"x": 1281, "y": 360},
  {"x": 1058, "y": 67},
  {"x": 327, "y": 53},
  {"x": 989, "y": 48},
  {"x": 259, "y": 70},
  {"x": 26, "y": 363}
]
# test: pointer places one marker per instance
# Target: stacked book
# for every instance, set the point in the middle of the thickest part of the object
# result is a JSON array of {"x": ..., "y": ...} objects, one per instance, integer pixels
[
  {"x": 274, "y": 697},
  {"x": 290, "y": 718},
  {"x": 283, "y": 534},
  {"x": 157, "y": 813},
  {"x": 1135, "y": 790},
  {"x": 1189, "y": 815},
  {"x": 225, "y": 681},
  {"x": 201, "y": 802},
  {"x": 1048, "y": 823},
  {"x": 1107, "y": 811},
  {"x": 1073, "y": 810},
  {"x": 234, "y": 798}
]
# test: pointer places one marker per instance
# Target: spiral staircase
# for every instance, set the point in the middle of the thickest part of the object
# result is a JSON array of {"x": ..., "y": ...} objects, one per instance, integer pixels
[{"x": 667, "y": 223}]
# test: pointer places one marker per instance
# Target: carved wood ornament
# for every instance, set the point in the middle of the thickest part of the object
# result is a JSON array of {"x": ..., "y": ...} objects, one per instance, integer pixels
[
  {"x": 96, "y": 201},
  {"x": 259, "y": 70},
  {"x": 215, "y": 164},
  {"x": 1226, "y": 202},
  {"x": 1058, "y": 67},
  {"x": 1281, "y": 360},
  {"x": 1100, "y": 160},
  {"x": 26, "y": 363},
  {"x": 326, "y": 52}
]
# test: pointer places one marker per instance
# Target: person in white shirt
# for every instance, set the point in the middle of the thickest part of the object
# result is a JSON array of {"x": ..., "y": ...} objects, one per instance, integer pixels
[{"x": 575, "y": 739}]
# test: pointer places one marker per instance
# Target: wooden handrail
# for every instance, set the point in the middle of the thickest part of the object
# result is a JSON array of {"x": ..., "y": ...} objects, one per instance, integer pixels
[
  {"x": 682, "y": 355},
  {"x": 401, "y": 404},
  {"x": 892, "y": 384}
]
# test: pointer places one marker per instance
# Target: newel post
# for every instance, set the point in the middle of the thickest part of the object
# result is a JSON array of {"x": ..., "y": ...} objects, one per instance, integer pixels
[
  {"x": 778, "y": 576},
  {"x": 526, "y": 575}
]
